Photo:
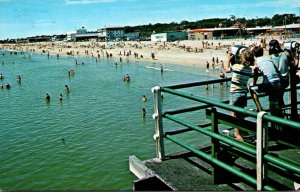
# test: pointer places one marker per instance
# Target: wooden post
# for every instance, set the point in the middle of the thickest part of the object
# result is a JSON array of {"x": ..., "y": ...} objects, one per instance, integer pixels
[
  {"x": 215, "y": 145},
  {"x": 293, "y": 95},
  {"x": 157, "y": 116},
  {"x": 261, "y": 150}
]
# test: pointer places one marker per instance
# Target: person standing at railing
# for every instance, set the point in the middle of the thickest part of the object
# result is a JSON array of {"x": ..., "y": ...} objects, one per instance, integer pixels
[
  {"x": 270, "y": 84},
  {"x": 239, "y": 82},
  {"x": 284, "y": 62}
]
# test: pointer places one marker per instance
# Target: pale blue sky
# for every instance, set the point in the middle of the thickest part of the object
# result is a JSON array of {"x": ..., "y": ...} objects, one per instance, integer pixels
[{"x": 22, "y": 18}]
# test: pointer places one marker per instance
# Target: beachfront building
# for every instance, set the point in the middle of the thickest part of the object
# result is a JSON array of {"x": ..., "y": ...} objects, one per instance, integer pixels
[
  {"x": 83, "y": 35},
  {"x": 200, "y": 34},
  {"x": 81, "y": 30},
  {"x": 169, "y": 36},
  {"x": 285, "y": 31},
  {"x": 282, "y": 32},
  {"x": 42, "y": 38},
  {"x": 211, "y": 33},
  {"x": 289, "y": 31},
  {"x": 87, "y": 37},
  {"x": 112, "y": 33},
  {"x": 71, "y": 36},
  {"x": 132, "y": 36}
]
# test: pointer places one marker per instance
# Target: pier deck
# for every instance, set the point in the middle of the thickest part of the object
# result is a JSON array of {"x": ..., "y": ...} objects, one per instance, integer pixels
[
  {"x": 267, "y": 160},
  {"x": 186, "y": 171}
]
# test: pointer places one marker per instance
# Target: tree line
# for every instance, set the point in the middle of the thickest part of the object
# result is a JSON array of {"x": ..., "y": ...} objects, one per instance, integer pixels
[
  {"x": 276, "y": 20},
  {"x": 147, "y": 30}
]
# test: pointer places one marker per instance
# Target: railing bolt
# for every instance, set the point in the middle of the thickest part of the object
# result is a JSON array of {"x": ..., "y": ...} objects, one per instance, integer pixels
[
  {"x": 155, "y": 136},
  {"x": 155, "y": 115},
  {"x": 155, "y": 89}
]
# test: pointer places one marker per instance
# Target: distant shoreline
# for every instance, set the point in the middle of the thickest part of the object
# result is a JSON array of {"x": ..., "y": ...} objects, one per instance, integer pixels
[{"x": 186, "y": 53}]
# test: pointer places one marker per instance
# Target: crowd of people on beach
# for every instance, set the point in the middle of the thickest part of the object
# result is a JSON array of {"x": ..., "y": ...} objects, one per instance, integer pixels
[{"x": 137, "y": 50}]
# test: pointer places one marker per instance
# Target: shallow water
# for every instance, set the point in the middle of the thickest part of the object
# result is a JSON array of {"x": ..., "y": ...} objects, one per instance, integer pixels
[{"x": 83, "y": 142}]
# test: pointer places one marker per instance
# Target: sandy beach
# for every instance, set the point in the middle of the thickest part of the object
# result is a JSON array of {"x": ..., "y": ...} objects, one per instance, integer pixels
[{"x": 188, "y": 53}]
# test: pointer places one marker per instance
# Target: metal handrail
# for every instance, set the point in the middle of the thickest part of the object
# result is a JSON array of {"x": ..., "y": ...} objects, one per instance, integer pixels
[
  {"x": 217, "y": 162},
  {"x": 244, "y": 147},
  {"x": 222, "y": 105},
  {"x": 237, "y": 144}
]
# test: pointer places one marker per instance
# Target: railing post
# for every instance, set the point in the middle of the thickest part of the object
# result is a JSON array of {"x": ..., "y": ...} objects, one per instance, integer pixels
[
  {"x": 215, "y": 145},
  {"x": 157, "y": 116},
  {"x": 261, "y": 150},
  {"x": 293, "y": 95}
]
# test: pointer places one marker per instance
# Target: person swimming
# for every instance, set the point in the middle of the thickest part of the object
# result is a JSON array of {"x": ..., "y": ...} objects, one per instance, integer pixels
[
  {"x": 126, "y": 77},
  {"x": 1, "y": 76},
  {"x": 71, "y": 72},
  {"x": 60, "y": 97},
  {"x": 67, "y": 88},
  {"x": 47, "y": 98},
  {"x": 63, "y": 141},
  {"x": 144, "y": 98},
  {"x": 19, "y": 78},
  {"x": 7, "y": 86},
  {"x": 144, "y": 112}
]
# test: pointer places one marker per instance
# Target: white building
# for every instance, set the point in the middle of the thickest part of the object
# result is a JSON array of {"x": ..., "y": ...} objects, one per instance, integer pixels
[
  {"x": 169, "y": 36},
  {"x": 71, "y": 36},
  {"x": 87, "y": 37},
  {"x": 112, "y": 33}
]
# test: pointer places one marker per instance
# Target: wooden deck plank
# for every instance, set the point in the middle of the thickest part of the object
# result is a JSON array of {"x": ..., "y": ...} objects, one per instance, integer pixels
[{"x": 185, "y": 171}]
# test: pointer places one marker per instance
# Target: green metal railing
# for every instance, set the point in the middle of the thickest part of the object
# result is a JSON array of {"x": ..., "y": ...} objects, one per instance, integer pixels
[{"x": 259, "y": 152}]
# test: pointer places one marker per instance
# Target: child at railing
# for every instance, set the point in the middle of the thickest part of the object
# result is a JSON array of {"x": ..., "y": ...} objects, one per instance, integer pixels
[{"x": 239, "y": 82}]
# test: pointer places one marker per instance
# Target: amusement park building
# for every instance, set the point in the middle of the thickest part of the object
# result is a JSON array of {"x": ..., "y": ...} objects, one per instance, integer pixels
[{"x": 291, "y": 30}]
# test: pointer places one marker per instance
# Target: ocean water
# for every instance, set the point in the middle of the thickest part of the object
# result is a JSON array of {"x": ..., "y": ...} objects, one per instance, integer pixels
[{"x": 82, "y": 142}]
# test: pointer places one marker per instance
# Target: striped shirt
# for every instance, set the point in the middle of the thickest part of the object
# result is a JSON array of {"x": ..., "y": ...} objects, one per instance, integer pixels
[{"x": 240, "y": 77}]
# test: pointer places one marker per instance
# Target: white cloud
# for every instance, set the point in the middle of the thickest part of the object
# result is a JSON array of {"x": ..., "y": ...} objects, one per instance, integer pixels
[{"x": 87, "y": 1}]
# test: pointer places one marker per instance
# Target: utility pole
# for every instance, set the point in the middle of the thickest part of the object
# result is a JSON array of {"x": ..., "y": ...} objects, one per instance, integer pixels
[
  {"x": 285, "y": 27},
  {"x": 221, "y": 25}
]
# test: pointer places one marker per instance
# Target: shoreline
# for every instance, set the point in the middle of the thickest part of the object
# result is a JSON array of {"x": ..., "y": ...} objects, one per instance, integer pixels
[{"x": 185, "y": 53}]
